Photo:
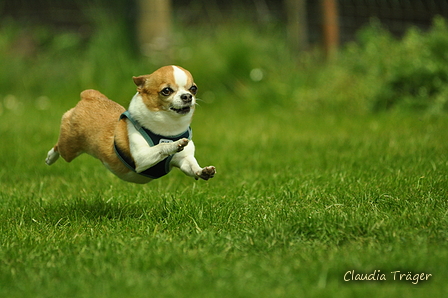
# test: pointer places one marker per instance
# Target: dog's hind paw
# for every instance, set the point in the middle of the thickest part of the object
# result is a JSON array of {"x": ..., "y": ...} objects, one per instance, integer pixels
[
  {"x": 206, "y": 173},
  {"x": 52, "y": 156}
]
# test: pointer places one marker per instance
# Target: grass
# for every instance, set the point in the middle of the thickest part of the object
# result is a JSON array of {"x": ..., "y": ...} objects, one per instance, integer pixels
[
  {"x": 298, "y": 201},
  {"x": 310, "y": 185}
]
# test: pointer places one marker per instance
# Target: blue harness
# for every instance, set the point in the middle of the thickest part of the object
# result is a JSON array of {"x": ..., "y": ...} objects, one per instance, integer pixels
[{"x": 163, "y": 167}]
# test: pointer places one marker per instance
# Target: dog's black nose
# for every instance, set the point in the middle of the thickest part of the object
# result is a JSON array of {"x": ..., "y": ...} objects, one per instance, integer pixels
[{"x": 187, "y": 97}]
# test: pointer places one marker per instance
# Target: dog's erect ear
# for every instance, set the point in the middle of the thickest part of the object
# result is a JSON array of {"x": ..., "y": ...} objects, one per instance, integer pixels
[{"x": 139, "y": 81}]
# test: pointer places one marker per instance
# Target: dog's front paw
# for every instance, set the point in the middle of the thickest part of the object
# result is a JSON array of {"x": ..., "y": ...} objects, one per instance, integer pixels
[
  {"x": 181, "y": 144},
  {"x": 206, "y": 173}
]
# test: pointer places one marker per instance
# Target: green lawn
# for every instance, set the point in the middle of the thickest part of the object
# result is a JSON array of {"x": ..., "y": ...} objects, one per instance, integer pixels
[{"x": 298, "y": 201}]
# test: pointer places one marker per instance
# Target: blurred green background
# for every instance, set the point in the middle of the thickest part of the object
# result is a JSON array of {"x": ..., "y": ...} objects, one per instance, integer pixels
[{"x": 390, "y": 56}]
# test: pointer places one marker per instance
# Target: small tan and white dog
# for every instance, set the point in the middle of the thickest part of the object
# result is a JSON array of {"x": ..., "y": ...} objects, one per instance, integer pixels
[{"x": 144, "y": 142}]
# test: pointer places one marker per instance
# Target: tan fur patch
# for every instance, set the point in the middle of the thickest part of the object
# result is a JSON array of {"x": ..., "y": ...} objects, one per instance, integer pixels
[{"x": 81, "y": 132}]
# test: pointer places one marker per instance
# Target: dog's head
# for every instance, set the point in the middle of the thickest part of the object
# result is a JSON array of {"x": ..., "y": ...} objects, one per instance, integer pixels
[{"x": 170, "y": 89}]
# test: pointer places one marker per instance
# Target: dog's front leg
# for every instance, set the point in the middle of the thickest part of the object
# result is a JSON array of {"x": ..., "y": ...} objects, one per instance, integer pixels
[
  {"x": 188, "y": 164},
  {"x": 157, "y": 153},
  {"x": 147, "y": 157}
]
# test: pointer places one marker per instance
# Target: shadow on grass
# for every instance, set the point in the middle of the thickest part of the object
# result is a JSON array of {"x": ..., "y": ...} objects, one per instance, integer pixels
[{"x": 99, "y": 210}]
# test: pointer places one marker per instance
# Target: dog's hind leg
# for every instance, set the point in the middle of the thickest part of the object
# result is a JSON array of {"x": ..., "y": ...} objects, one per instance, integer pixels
[
  {"x": 52, "y": 156},
  {"x": 69, "y": 145}
]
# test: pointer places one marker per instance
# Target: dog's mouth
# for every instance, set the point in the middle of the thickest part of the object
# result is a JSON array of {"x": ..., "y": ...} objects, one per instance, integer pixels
[{"x": 182, "y": 111}]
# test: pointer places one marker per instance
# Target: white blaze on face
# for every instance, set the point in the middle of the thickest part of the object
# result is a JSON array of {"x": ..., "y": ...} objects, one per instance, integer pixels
[
  {"x": 180, "y": 77},
  {"x": 183, "y": 82}
]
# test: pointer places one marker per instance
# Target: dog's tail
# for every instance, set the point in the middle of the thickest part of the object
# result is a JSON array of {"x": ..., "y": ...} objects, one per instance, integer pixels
[{"x": 90, "y": 94}]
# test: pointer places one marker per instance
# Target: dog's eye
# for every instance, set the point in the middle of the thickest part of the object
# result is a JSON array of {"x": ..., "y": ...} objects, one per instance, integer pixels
[
  {"x": 166, "y": 91},
  {"x": 193, "y": 89}
]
